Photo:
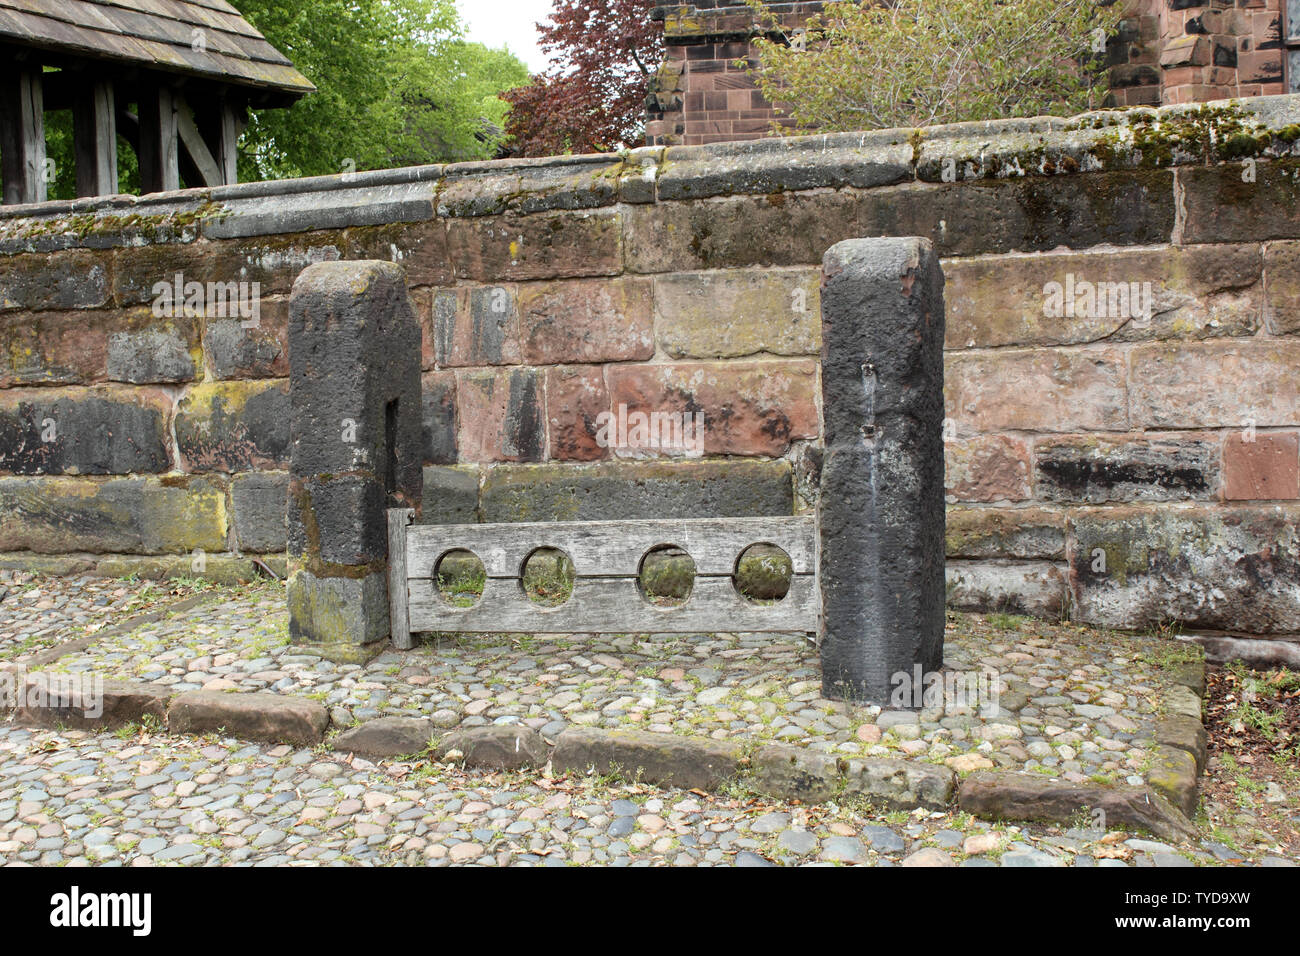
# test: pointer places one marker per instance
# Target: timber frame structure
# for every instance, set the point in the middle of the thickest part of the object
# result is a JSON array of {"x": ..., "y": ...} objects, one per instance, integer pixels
[{"x": 190, "y": 68}]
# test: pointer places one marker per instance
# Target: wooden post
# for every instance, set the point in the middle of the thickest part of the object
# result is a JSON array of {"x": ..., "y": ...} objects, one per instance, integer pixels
[
  {"x": 231, "y": 120},
  {"x": 399, "y": 615},
  {"x": 22, "y": 136},
  {"x": 159, "y": 141},
  {"x": 94, "y": 117}
]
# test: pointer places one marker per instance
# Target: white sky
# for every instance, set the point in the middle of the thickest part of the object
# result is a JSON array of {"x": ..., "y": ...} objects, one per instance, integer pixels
[{"x": 508, "y": 23}]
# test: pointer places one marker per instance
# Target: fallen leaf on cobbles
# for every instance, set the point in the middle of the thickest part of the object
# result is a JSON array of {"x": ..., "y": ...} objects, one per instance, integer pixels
[{"x": 1112, "y": 853}]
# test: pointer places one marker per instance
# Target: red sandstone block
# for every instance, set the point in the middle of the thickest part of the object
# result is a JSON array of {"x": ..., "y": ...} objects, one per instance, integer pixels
[
  {"x": 472, "y": 327},
  {"x": 750, "y": 408},
  {"x": 1261, "y": 467},
  {"x": 587, "y": 321},
  {"x": 1182, "y": 76},
  {"x": 1211, "y": 385},
  {"x": 422, "y": 245},
  {"x": 500, "y": 416},
  {"x": 987, "y": 468},
  {"x": 1186, "y": 51},
  {"x": 1040, "y": 390},
  {"x": 704, "y": 127},
  {"x": 709, "y": 66},
  {"x": 576, "y": 397},
  {"x": 733, "y": 81},
  {"x": 1260, "y": 66},
  {"x": 542, "y": 246},
  {"x": 54, "y": 348},
  {"x": 1267, "y": 27}
]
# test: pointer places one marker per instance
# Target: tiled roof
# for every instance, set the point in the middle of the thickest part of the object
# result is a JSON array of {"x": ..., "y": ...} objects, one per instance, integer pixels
[{"x": 206, "y": 38}]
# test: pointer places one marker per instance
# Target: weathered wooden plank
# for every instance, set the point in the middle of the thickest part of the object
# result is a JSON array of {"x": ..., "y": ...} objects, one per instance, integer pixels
[
  {"x": 616, "y": 606},
  {"x": 159, "y": 141},
  {"x": 22, "y": 136},
  {"x": 399, "y": 520},
  {"x": 95, "y": 138},
  {"x": 231, "y": 120},
  {"x": 615, "y": 548}
]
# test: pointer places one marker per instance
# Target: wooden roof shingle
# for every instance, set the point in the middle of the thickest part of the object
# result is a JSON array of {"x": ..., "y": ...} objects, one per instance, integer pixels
[{"x": 156, "y": 34}]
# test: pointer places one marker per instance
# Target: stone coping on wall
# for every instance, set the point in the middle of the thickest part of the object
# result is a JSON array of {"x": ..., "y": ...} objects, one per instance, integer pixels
[{"x": 1138, "y": 139}]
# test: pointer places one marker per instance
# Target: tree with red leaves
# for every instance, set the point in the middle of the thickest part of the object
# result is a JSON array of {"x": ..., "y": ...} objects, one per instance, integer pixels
[{"x": 592, "y": 99}]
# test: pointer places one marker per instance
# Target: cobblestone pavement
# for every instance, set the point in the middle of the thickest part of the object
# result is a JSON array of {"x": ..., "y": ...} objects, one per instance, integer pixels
[
  {"x": 79, "y": 799},
  {"x": 1073, "y": 701},
  {"x": 1080, "y": 709},
  {"x": 38, "y": 613}
]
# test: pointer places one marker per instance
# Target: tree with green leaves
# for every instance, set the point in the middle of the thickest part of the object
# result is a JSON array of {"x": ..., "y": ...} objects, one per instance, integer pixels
[
  {"x": 919, "y": 62},
  {"x": 396, "y": 85}
]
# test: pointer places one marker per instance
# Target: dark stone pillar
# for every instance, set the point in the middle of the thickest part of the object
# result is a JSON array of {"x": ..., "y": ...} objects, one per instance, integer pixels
[
  {"x": 881, "y": 506},
  {"x": 357, "y": 441}
]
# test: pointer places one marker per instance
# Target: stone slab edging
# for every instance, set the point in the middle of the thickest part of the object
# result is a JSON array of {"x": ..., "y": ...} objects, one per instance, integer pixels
[{"x": 780, "y": 771}]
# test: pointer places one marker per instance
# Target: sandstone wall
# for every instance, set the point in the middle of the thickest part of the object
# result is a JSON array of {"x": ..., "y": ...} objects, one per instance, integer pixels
[{"x": 1122, "y": 468}]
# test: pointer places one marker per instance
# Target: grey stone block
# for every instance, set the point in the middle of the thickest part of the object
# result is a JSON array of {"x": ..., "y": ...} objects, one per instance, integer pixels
[
  {"x": 794, "y": 773},
  {"x": 90, "y": 434},
  {"x": 862, "y": 160},
  {"x": 882, "y": 486},
  {"x": 259, "y": 503},
  {"x": 661, "y": 759},
  {"x": 150, "y": 355},
  {"x": 450, "y": 495},
  {"x": 1034, "y": 588},
  {"x": 357, "y": 450},
  {"x": 495, "y": 748},
  {"x": 386, "y": 737},
  {"x": 1155, "y": 470},
  {"x": 338, "y": 616},
  {"x": 614, "y": 491},
  {"x": 438, "y": 406},
  {"x": 272, "y": 718},
  {"x": 995, "y": 795}
]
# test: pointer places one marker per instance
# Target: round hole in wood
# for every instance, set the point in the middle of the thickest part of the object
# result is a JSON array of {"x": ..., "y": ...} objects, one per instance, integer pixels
[
  {"x": 763, "y": 574},
  {"x": 666, "y": 576},
  {"x": 460, "y": 577},
  {"x": 547, "y": 577}
]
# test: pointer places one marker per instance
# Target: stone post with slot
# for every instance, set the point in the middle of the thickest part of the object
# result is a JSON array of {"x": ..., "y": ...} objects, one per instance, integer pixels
[
  {"x": 357, "y": 442},
  {"x": 881, "y": 506}
]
